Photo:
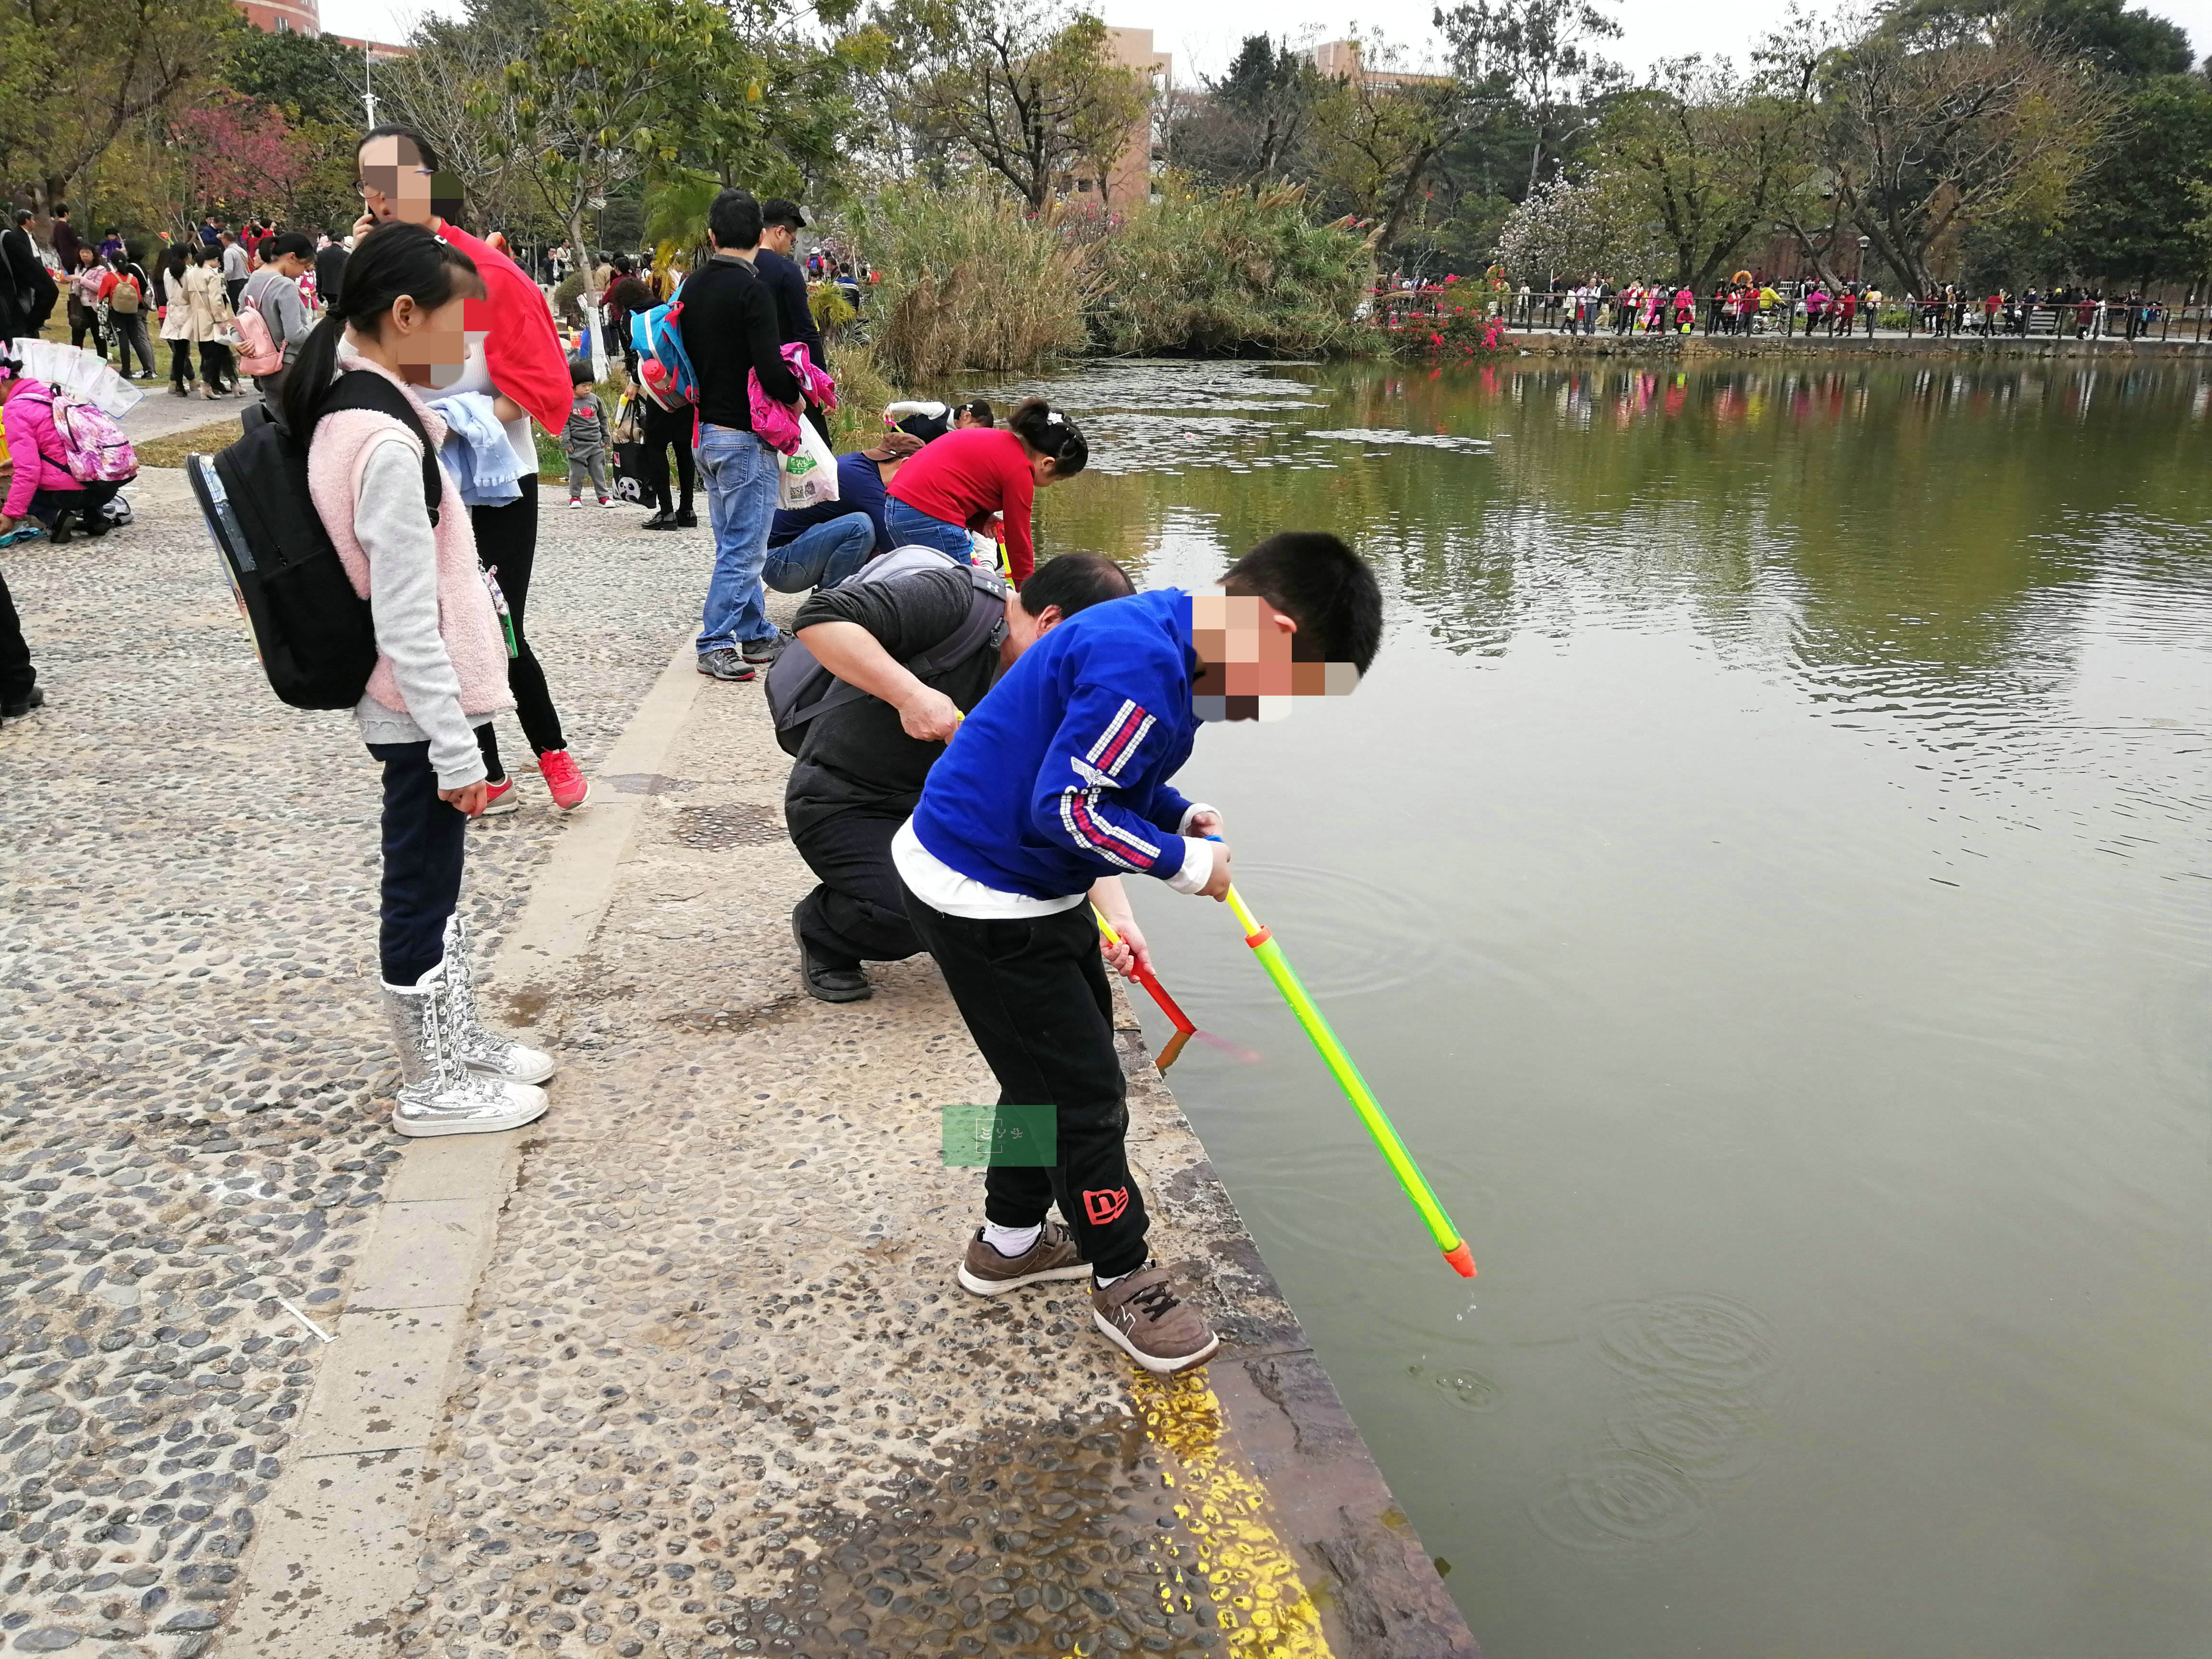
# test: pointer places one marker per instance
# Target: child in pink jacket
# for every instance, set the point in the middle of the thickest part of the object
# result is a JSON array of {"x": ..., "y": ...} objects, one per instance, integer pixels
[{"x": 43, "y": 490}]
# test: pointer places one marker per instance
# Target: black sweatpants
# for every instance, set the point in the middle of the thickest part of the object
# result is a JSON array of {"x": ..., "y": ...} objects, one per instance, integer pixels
[
  {"x": 858, "y": 913},
  {"x": 1034, "y": 994},
  {"x": 664, "y": 428},
  {"x": 423, "y": 838},
  {"x": 17, "y": 677},
  {"x": 506, "y": 545}
]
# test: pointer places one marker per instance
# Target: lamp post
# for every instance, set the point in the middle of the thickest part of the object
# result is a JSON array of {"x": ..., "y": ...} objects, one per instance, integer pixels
[{"x": 1858, "y": 274}]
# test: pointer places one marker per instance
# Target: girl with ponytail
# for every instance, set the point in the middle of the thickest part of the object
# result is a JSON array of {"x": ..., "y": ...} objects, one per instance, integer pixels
[
  {"x": 396, "y": 318},
  {"x": 963, "y": 480}
]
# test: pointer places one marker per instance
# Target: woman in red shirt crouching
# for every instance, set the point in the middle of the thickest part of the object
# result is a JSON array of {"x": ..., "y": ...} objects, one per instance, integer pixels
[{"x": 958, "y": 482}]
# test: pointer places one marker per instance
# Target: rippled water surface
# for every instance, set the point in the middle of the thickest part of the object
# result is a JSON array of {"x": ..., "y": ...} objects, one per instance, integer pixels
[{"x": 1765, "y": 877}]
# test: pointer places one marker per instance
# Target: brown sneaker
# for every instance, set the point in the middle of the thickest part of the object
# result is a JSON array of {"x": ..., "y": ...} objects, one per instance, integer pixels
[
  {"x": 1053, "y": 1256},
  {"x": 1142, "y": 1315}
]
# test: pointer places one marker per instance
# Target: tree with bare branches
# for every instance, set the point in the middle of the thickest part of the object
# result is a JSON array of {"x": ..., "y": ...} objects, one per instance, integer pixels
[{"x": 1030, "y": 98}]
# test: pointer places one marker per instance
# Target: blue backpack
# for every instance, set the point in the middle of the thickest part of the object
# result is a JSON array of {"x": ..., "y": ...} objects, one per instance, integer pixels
[{"x": 666, "y": 369}]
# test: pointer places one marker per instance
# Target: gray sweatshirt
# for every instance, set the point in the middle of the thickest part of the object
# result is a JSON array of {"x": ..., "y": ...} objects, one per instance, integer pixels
[{"x": 393, "y": 528}]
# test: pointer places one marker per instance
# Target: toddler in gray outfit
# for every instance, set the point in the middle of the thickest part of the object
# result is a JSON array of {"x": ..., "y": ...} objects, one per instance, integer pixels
[{"x": 584, "y": 439}]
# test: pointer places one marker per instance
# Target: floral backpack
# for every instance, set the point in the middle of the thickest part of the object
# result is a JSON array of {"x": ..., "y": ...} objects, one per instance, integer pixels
[{"x": 96, "y": 450}]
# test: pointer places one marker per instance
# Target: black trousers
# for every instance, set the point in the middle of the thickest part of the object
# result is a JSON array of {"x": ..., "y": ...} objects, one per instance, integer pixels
[
  {"x": 17, "y": 677},
  {"x": 506, "y": 545},
  {"x": 665, "y": 428},
  {"x": 217, "y": 367},
  {"x": 857, "y": 913},
  {"x": 423, "y": 839},
  {"x": 84, "y": 323},
  {"x": 1034, "y": 995}
]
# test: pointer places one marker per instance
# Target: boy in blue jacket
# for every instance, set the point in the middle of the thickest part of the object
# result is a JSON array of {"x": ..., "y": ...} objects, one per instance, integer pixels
[{"x": 1059, "y": 777}]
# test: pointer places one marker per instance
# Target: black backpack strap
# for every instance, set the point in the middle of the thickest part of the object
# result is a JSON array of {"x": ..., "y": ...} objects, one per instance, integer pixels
[
  {"x": 985, "y": 624},
  {"x": 363, "y": 388}
]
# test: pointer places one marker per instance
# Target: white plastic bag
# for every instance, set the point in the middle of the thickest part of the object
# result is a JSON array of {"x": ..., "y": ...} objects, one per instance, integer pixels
[{"x": 808, "y": 476}]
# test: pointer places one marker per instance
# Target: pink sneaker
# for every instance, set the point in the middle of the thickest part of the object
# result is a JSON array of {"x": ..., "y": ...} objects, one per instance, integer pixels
[
  {"x": 501, "y": 799},
  {"x": 564, "y": 779}
]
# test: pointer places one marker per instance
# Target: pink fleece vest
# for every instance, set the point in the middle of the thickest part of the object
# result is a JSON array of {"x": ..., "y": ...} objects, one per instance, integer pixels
[{"x": 466, "y": 621}]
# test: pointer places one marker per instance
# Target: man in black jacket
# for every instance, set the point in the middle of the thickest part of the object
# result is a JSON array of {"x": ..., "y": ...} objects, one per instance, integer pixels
[
  {"x": 28, "y": 290},
  {"x": 860, "y": 767},
  {"x": 781, "y": 223},
  {"x": 729, "y": 329}
]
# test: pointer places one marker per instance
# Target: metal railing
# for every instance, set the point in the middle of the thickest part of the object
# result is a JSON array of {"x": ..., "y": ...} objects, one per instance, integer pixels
[{"x": 1965, "y": 320}]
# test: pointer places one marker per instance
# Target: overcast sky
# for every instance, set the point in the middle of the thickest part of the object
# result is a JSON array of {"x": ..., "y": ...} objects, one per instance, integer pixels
[{"x": 1203, "y": 36}]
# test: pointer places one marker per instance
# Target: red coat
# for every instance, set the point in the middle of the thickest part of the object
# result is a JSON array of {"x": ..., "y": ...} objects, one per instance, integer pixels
[{"x": 521, "y": 347}]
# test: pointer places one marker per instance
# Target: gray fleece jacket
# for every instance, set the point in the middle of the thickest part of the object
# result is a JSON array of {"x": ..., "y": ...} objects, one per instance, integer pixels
[{"x": 394, "y": 529}]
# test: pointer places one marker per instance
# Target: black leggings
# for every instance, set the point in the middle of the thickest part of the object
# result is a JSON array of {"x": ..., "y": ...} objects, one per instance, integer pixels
[
  {"x": 507, "y": 544},
  {"x": 664, "y": 427}
]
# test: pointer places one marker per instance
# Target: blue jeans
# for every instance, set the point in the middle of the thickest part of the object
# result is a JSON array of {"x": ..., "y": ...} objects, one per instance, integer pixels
[
  {"x": 739, "y": 473},
  {"x": 821, "y": 556},
  {"x": 910, "y": 528}
]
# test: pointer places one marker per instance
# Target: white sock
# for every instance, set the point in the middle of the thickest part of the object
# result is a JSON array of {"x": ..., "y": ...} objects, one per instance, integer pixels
[
  {"x": 1010, "y": 1241},
  {"x": 1102, "y": 1283}
]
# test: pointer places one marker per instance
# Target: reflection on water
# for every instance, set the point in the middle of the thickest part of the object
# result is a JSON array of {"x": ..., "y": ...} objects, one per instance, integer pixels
[{"x": 1764, "y": 878}]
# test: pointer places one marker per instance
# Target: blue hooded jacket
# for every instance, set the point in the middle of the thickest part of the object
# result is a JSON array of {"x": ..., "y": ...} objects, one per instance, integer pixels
[{"x": 1060, "y": 774}]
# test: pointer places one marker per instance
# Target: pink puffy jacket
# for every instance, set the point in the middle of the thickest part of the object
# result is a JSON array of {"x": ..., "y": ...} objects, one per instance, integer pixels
[{"x": 34, "y": 445}]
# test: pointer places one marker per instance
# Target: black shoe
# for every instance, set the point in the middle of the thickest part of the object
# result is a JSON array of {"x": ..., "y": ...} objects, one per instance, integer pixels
[
  {"x": 93, "y": 525},
  {"x": 829, "y": 984},
  {"x": 661, "y": 521},
  {"x": 60, "y": 531},
  {"x": 34, "y": 698},
  {"x": 687, "y": 519}
]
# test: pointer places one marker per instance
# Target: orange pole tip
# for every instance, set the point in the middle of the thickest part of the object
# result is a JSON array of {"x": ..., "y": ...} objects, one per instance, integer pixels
[
  {"x": 1255, "y": 941},
  {"x": 1462, "y": 1259}
]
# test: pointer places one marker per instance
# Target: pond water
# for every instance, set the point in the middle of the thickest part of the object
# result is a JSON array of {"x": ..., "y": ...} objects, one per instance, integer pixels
[{"x": 1765, "y": 878}]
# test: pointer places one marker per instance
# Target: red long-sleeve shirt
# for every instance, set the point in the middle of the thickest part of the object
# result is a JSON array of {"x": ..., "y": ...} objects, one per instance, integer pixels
[{"x": 965, "y": 477}]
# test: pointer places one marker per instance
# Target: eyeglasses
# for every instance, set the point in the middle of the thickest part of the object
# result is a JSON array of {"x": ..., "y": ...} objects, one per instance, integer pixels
[{"x": 361, "y": 186}]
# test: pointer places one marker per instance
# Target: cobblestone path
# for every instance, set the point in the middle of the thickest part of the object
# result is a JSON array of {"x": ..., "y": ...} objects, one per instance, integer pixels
[{"x": 193, "y": 1067}]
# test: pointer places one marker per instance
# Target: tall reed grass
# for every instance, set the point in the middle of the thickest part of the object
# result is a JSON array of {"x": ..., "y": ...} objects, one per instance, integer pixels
[
  {"x": 972, "y": 281},
  {"x": 968, "y": 282},
  {"x": 1225, "y": 274}
]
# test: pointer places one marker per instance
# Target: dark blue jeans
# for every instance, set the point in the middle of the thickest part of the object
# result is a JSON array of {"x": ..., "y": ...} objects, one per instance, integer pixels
[
  {"x": 911, "y": 527},
  {"x": 423, "y": 839}
]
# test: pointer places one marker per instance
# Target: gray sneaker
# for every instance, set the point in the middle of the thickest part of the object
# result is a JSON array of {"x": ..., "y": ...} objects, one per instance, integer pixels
[
  {"x": 724, "y": 663},
  {"x": 1142, "y": 1316},
  {"x": 760, "y": 653}
]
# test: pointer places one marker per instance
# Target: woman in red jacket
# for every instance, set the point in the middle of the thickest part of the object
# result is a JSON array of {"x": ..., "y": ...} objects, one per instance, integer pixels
[{"x": 960, "y": 482}]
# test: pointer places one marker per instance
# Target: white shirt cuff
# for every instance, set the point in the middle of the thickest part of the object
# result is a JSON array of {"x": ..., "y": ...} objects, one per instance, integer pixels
[
  {"x": 1197, "y": 866},
  {"x": 1192, "y": 811}
]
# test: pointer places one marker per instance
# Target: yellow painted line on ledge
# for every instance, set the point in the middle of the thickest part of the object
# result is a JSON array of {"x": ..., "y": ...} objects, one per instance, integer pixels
[{"x": 1263, "y": 1606}]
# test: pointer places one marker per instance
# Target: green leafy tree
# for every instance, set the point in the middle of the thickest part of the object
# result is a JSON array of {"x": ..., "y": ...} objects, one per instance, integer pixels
[
  {"x": 1709, "y": 158},
  {"x": 1378, "y": 133},
  {"x": 1938, "y": 127},
  {"x": 2133, "y": 222},
  {"x": 97, "y": 68},
  {"x": 602, "y": 92},
  {"x": 1546, "y": 52}
]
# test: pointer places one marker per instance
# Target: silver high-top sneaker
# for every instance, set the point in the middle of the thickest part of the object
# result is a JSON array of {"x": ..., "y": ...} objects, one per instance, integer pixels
[
  {"x": 482, "y": 1050},
  {"x": 439, "y": 1095}
]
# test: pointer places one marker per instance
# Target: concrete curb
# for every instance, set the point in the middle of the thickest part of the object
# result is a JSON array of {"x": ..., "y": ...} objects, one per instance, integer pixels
[{"x": 337, "y": 1551}]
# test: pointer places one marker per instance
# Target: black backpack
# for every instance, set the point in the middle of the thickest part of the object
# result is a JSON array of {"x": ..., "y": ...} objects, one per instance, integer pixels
[
  {"x": 313, "y": 633},
  {"x": 800, "y": 688}
]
